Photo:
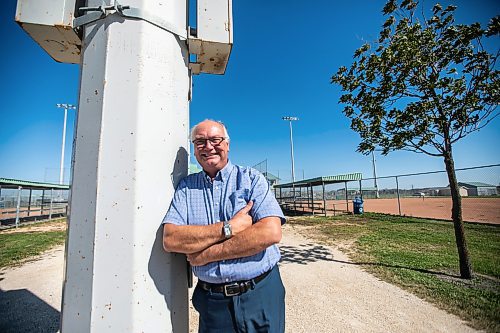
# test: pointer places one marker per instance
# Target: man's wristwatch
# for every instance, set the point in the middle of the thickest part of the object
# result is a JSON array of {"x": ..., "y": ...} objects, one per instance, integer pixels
[{"x": 226, "y": 229}]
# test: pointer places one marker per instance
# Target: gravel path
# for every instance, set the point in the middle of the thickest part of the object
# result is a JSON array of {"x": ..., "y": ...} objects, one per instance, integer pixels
[{"x": 325, "y": 293}]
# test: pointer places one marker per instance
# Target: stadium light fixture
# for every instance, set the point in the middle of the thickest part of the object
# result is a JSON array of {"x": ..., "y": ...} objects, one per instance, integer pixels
[
  {"x": 290, "y": 119},
  {"x": 66, "y": 107}
]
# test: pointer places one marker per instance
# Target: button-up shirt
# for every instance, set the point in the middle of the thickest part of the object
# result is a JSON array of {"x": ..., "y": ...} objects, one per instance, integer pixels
[{"x": 199, "y": 200}]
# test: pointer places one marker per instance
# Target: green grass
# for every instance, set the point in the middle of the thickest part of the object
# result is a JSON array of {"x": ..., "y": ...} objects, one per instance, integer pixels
[
  {"x": 17, "y": 247},
  {"x": 421, "y": 256}
]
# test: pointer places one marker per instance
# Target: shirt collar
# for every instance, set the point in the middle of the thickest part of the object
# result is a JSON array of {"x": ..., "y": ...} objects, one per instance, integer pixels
[{"x": 222, "y": 175}]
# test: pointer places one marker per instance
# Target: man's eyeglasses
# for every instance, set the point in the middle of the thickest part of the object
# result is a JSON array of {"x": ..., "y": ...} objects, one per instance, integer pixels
[{"x": 200, "y": 143}]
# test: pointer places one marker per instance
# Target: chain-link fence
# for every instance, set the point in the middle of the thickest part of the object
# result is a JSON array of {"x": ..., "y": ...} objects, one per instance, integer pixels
[
  {"x": 276, "y": 176},
  {"x": 427, "y": 194}
]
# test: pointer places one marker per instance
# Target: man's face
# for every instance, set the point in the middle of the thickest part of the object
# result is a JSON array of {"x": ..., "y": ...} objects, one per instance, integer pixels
[{"x": 212, "y": 157}]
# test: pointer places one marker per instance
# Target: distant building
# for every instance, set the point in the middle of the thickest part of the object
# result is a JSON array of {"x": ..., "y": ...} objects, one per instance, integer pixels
[
  {"x": 478, "y": 188},
  {"x": 446, "y": 192}
]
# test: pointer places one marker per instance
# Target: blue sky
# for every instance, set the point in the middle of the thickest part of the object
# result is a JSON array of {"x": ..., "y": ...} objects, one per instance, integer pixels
[{"x": 283, "y": 57}]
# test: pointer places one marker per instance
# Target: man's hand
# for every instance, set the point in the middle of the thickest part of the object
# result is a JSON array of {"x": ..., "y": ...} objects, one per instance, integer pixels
[
  {"x": 196, "y": 259},
  {"x": 242, "y": 219}
]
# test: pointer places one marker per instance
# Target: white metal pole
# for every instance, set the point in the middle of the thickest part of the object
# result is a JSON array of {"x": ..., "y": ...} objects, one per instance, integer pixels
[
  {"x": 293, "y": 167},
  {"x": 61, "y": 172},
  {"x": 291, "y": 153},
  {"x": 131, "y": 149},
  {"x": 290, "y": 119}
]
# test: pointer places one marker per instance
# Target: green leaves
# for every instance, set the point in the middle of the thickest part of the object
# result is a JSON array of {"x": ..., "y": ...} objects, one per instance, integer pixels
[
  {"x": 390, "y": 7},
  {"x": 493, "y": 27},
  {"x": 361, "y": 50},
  {"x": 427, "y": 82}
]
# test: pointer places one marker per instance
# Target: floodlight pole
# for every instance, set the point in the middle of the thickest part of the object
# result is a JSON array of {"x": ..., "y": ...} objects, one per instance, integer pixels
[
  {"x": 65, "y": 107},
  {"x": 290, "y": 119},
  {"x": 131, "y": 149}
]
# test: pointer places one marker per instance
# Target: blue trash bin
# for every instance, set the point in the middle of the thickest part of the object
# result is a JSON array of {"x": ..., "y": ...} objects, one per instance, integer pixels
[{"x": 358, "y": 205}]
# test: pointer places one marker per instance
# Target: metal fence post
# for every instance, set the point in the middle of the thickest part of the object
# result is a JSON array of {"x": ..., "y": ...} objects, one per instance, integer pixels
[
  {"x": 324, "y": 199},
  {"x": 51, "y": 200},
  {"x": 397, "y": 189},
  {"x": 312, "y": 199},
  {"x": 29, "y": 202},
  {"x": 41, "y": 204},
  {"x": 346, "y": 197},
  {"x": 18, "y": 205}
]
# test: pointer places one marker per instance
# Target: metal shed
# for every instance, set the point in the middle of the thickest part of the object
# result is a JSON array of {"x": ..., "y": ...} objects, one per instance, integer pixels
[{"x": 479, "y": 189}]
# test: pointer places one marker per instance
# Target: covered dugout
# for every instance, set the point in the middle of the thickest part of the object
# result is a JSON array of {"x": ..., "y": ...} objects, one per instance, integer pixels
[
  {"x": 18, "y": 201},
  {"x": 300, "y": 197}
]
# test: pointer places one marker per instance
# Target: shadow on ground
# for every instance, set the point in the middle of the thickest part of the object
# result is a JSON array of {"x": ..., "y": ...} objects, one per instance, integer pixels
[
  {"x": 305, "y": 253},
  {"x": 310, "y": 252},
  {"x": 22, "y": 311}
]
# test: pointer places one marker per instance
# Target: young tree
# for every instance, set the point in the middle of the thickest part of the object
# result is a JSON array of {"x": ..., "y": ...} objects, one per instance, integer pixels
[{"x": 425, "y": 84}]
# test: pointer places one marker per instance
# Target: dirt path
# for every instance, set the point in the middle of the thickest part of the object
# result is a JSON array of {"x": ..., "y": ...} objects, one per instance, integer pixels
[{"x": 325, "y": 293}]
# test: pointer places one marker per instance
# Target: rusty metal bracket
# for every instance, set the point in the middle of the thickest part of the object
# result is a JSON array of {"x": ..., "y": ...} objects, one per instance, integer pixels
[{"x": 100, "y": 12}]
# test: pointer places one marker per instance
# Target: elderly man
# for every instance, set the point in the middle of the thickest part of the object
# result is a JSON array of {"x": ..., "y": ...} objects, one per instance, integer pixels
[{"x": 228, "y": 222}]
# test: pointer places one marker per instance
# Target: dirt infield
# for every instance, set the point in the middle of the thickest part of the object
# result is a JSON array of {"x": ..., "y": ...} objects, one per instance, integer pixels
[{"x": 484, "y": 210}]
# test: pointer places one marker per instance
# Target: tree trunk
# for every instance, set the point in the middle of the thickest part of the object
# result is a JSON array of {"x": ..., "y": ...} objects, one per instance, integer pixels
[{"x": 456, "y": 215}]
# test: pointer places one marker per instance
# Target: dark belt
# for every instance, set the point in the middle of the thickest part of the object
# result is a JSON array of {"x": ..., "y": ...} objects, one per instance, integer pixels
[{"x": 233, "y": 288}]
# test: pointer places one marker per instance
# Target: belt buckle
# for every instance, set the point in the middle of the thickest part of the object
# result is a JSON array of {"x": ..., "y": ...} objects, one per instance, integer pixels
[{"x": 232, "y": 289}]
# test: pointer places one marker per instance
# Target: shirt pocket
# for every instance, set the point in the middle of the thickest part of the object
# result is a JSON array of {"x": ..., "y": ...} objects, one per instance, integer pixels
[{"x": 236, "y": 202}]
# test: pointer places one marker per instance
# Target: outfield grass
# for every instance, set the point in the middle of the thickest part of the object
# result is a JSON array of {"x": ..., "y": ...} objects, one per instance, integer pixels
[
  {"x": 421, "y": 256},
  {"x": 16, "y": 247}
]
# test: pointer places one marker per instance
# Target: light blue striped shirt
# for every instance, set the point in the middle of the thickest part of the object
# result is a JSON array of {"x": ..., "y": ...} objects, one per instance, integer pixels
[{"x": 199, "y": 201}]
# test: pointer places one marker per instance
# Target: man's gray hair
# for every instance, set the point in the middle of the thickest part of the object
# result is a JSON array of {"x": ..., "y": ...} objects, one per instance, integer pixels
[{"x": 193, "y": 130}]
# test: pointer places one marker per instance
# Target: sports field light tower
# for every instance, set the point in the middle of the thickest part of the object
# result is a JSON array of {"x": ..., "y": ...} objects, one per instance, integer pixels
[
  {"x": 131, "y": 149},
  {"x": 66, "y": 107},
  {"x": 290, "y": 119}
]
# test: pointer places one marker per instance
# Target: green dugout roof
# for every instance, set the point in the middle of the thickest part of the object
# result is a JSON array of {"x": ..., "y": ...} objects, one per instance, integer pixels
[
  {"x": 349, "y": 177},
  {"x": 25, "y": 184}
]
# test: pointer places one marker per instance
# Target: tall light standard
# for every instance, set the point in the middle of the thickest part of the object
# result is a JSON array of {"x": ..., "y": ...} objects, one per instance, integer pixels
[
  {"x": 65, "y": 107},
  {"x": 290, "y": 119}
]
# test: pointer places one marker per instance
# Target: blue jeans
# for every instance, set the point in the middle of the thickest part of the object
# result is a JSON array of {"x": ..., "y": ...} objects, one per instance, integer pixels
[{"x": 261, "y": 309}]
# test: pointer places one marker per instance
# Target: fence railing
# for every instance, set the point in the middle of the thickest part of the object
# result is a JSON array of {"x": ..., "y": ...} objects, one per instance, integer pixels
[
  {"x": 18, "y": 205},
  {"x": 424, "y": 194}
]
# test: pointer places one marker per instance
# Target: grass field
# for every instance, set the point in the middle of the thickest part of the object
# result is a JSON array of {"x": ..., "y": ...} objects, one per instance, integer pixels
[
  {"x": 18, "y": 245},
  {"x": 420, "y": 256}
]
